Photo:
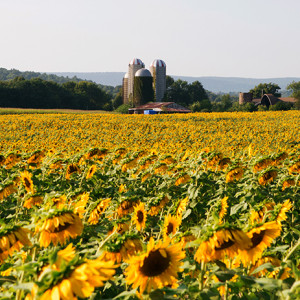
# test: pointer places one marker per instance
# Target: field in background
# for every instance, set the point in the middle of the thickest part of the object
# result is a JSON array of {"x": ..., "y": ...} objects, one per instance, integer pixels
[{"x": 230, "y": 133}]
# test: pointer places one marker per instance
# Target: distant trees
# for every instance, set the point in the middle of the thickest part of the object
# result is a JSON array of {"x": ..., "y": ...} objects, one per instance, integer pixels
[
  {"x": 183, "y": 93},
  {"x": 38, "y": 93},
  {"x": 265, "y": 88},
  {"x": 295, "y": 87}
]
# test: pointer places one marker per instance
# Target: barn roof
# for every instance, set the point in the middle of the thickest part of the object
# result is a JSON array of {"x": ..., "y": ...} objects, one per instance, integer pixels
[{"x": 162, "y": 106}]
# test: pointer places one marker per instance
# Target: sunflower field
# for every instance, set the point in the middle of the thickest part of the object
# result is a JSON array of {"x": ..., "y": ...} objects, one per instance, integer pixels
[{"x": 197, "y": 206}]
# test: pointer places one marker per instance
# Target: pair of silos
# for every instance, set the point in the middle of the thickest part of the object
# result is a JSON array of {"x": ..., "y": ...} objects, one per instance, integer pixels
[{"x": 138, "y": 75}]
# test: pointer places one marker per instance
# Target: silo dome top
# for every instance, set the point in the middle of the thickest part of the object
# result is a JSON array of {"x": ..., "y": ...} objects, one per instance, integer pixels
[
  {"x": 136, "y": 61},
  {"x": 158, "y": 63},
  {"x": 126, "y": 75},
  {"x": 143, "y": 73}
]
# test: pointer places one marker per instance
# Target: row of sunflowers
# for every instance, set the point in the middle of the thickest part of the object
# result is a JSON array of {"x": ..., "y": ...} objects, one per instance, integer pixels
[{"x": 115, "y": 223}]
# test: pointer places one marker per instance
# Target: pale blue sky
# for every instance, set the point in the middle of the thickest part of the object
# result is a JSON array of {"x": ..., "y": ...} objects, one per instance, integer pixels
[{"x": 238, "y": 38}]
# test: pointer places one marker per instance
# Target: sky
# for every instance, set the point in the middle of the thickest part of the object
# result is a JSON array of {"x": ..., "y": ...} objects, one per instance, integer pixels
[{"x": 231, "y": 38}]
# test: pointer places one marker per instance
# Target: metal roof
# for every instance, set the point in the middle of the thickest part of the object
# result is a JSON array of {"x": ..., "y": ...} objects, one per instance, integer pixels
[
  {"x": 143, "y": 73},
  {"x": 158, "y": 63},
  {"x": 136, "y": 61}
]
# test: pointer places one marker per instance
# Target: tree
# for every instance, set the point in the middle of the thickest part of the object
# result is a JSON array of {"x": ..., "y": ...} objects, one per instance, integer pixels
[
  {"x": 265, "y": 88},
  {"x": 118, "y": 100},
  {"x": 179, "y": 93},
  {"x": 196, "y": 91},
  {"x": 295, "y": 87}
]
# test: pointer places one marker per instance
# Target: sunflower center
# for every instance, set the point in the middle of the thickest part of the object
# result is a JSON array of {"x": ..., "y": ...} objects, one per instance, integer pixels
[
  {"x": 72, "y": 169},
  {"x": 61, "y": 227},
  {"x": 225, "y": 245},
  {"x": 27, "y": 182},
  {"x": 140, "y": 216},
  {"x": 257, "y": 238},
  {"x": 155, "y": 264},
  {"x": 170, "y": 228}
]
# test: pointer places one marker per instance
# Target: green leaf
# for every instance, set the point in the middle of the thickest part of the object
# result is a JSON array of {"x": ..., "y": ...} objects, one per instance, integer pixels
[{"x": 268, "y": 266}]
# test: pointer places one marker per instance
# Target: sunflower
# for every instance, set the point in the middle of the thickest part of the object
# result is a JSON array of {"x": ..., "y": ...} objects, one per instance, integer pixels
[
  {"x": 98, "y": 211},
  {"x": 58, "y": 164},
  {"x": 131, "y": 247},
  {"x": 224, "y": 242},
  {"x": 258, "y": 216},
  {"x": 267, "y": 177},
  {"x": 158, "y": 205},
  {"x": 146, "y": 176},
  {"x": 181, "y": 207},
  {"x": 122, "y": 188},
  {"x": 129, "y": 164},
  {"x": 223, "y": 163},
  {"x": 33, "y": 201},
  {"x": 262, "y": 164},
  {"x": 126, "y": 207},
  {"x": 27, "y": 181},
  {"x": 66, "y": 254},
  {"x": 295, "y": 168},
  {"x": 223, "y": 210},
  {"x": 161, "y": 168},
  {"x": 234, "y": 174},
  {"x": 71, "y": 169},
  {"x": 120, "y": 228},
  {"x": 285, "y": 207},
  {"x": 156, "y": 268},
  {"x": 36, "y": 157},
  {"x": 288, "y": 183},
  {"x": 79, "y": 206},
  {"x": 279, "y": 158},
  {"x": 11, "y": 160},
  {"x": 123, "y": 247},
  {"x": 91, "y": 171},
  {"x": 261, "y": 237},
  {"x": 12, "y": 239},
  {"x": 171, "y": 225},
  {"x": 79, "y": 283},
  {"x": 59, "y": 202},
  {"x": 7, "y": 190},
  {"x": 183, "y": 179},
  {"x": 265, "y": 273},
  {"x": 139, "y": 216},
  {"x": 59, "y": 228}
]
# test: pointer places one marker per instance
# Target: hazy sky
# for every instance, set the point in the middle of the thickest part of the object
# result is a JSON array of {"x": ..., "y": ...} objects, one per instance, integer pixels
[{"x": 238, "y": 38}]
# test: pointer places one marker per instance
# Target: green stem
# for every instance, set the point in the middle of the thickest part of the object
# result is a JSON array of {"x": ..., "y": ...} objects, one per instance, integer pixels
[{"x": 291, "y": 251}]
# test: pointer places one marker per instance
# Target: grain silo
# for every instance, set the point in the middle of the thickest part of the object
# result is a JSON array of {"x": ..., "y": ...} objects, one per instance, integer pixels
[
  {"x": 158, "y": 71},
  {"x": 135, "y": 65},
  {"x": 125, "y": 89},
  {"x": 143, "y": 87},
  {"x": 245, "y": 98}
]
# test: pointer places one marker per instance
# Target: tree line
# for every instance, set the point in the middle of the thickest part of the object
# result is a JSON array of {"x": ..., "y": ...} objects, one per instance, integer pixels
[{"x": 38, "y": 93}]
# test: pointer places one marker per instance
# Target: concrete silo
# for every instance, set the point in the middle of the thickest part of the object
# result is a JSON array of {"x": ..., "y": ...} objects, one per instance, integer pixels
[
  {"x": 135, "y": 65},
  {"x": 245, "y": 98},
  {"x": 143, "y": 87},
  {"x": 158, "y": 71},
  {"x": 125, "y": 89}
]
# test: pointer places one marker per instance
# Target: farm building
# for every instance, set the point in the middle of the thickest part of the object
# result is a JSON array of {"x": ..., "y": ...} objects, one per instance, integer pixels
[
  {"x": 159, "y": 108},
  {"x": 266, "y": 99},
  {"x": 136, "y": 81}
]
